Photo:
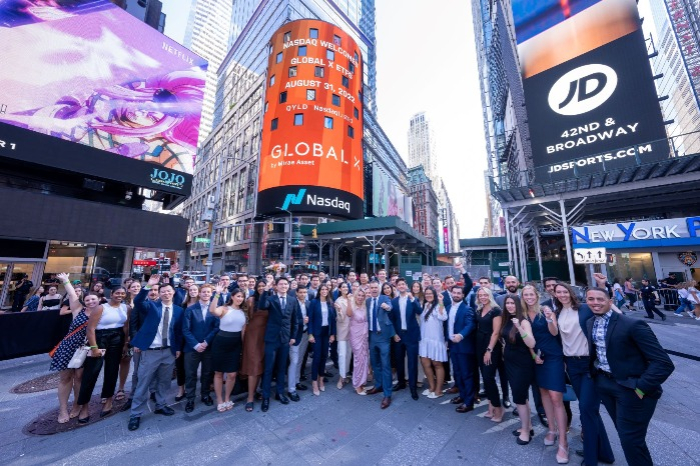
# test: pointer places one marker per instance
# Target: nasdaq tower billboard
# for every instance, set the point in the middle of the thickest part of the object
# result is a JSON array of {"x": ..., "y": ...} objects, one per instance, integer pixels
[
  {"x": 90, "y": 89},
  {"x": 589, "y": 89},
  {"x": 311, "y": 156}
]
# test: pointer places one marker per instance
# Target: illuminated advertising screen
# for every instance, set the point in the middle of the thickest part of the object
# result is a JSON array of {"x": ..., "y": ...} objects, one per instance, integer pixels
[
  {"x": 311, "y": 156},
  {"x": 589, "y": 90},
  {"x": 88, "y": 88}
]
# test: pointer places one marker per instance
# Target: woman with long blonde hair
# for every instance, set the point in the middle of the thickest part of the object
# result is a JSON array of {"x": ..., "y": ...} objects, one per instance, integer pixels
[{"x": 489, "y": 319}]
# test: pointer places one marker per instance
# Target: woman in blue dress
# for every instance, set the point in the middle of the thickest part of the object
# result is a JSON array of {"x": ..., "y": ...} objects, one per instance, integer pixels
[{"x": 549, "y": 369}]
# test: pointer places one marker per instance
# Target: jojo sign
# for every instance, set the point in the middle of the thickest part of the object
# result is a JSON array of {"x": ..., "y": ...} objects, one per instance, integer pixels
[{"x": 311, "y": 157}]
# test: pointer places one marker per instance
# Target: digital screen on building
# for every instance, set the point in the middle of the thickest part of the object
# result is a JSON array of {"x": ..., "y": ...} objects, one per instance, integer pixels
[
  {"x": 589, "y": 89},
  {"x": 87, "y": 72},
  {"x": 311, "y": 157}
]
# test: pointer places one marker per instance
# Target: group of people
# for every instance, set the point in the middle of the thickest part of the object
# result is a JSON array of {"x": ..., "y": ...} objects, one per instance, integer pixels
[{"x": 380, "y": 328}]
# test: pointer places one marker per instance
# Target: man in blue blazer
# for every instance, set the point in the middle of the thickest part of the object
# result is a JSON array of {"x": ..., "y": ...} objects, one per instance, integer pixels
[
  {"x": 461, "y": 327},
  {"x": 158, "y": 343},
  {"x": 283, "y": 311},
  {"x": 381, "y": 331},
  {"x": 405, "y": 310},
  {"x": 199, "y": 329}
]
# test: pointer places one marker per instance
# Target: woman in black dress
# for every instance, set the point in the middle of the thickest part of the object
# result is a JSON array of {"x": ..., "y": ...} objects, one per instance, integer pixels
[
  {"x": 488, "y": 348},
  {"x": 520, "y": 361},
  {"x": 52, "y": 301}
]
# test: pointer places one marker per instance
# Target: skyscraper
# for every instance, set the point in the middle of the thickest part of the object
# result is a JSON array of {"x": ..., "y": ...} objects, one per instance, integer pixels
[
  {"x": 148, "y": 11},
  {"x": 421, "y": 145},
  {"x": 208, "y": 34}
]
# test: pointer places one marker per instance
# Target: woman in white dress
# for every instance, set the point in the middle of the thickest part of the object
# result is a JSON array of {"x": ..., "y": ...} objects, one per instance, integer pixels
[{"x": 432, "y": 348}]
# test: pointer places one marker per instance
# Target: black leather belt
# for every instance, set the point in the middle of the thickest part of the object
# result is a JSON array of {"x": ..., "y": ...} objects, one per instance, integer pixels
[
  {"x": 605, "y": 374},
  {"x": 159, "y": 348},
  {"x": 578, "y": 357}
]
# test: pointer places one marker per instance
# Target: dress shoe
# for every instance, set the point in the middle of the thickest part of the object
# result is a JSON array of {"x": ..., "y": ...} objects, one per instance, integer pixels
[
  {"x": 179, "y": 398},
  {"x": 506, "y": 403},
  {"x": 282, "y": 399},
  {"x": 579, "y": 453},
  {"x": 543, "y": 419},
  {"x": 399, "y": 386},
  {"x": 153, "y": 396},
  {"x": 301, "y": 387},
  {"x": 452, "y": 390},
  {"x": 265, "y": 405},
  {"x": 520, "y": 441},
  {"x": 134, "y": 423},
  {"x": 105, "y": 413},
  {"x": 165, "y": 411},
  {"x": 207, "y": 401},
  {"x": 294, "y": 396},
  {"x": 516, "y": 433},
  {"x": 414, "y": 393},
  {"x": 482, "y": 395},
  {"x": 375, "y": 390},
  {"x": 386, "y": 402},
  {"x": 464, "y": 408},
  {"x": 83, "y": 420},
  {"x": 303, "y": 378},
  {"x": 127, "y": 405},
  {"x": 189, "y": 407},
  {"x": 457, "y": 400}
]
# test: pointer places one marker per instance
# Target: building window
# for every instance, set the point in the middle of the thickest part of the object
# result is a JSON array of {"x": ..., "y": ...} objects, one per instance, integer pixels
[
  {"x": 346, "y": 81},
  {"x": 356, "y": 112},
  {"x": 272, "y": 80},
  {"x": 357, "y": 58},
  {"x": 336, "y": 39},
  {"x": 283, "y": 97},
  {"x": 288, "y": 36},
  {"x": 311, "y": 94},
  {"x": 330, "y": 55},
  {"x": 298, "y": 119},
  {"x": 302, "y": 51},
  {"x": 328, "y": 122},
  {"x": 292, "y": 71},
  {"x": 278, "y": 57},
  {"x": 266, "y": 105},
  {"x": 336, "y": 100},
  {"x": 351, "y": 132},
  {"x": 351, "y": 66},
  {"x": 313, "y": 33},
  {"x": 318, "y": 72},
  {"x": 273, "y": 124}
]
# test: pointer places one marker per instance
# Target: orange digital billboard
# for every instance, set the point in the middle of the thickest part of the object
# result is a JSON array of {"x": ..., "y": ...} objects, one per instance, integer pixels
[{"x": 311, "y": 156}]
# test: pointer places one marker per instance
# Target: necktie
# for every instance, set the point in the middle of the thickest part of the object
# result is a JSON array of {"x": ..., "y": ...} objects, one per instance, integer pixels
[
  {"x": 375, "y": 324},
  {"x": 283, "y": 301},
  {"x": 166, "y": 325}
]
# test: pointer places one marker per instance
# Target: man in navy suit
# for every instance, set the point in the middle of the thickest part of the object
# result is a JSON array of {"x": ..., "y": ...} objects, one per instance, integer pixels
[
  {"x": 158, "y": 343},
  {"x": 404, "y": 312},
  {"x": 628, "y": 365},
  {"x": 279, "y": 336},
  {"x": 381, "y": 331},
  {"x": 460, "y": 331},
  {"x": 225, "y": 283},
  {"x": 199, "y": 329}
]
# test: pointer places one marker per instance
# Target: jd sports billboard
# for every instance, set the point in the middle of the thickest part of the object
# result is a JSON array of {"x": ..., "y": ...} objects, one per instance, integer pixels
[
  {"x": 589, "y": 90},
  {"x": 311, "y": 156}
]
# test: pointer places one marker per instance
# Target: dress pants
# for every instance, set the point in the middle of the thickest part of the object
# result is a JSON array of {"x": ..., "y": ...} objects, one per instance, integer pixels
[
  {"x": 276, "y": 354},
  {"x": 650, "y": 307},
  {"x": 488, "y": 373},
  {"x": 463, "y": 373},
  {"x": 631, "y": 417},
  {"x": 318, "y": 364},
  {"x": 403, "y": 349},
  {"x": 192, "y": 361},
  {"x": 596, "y": 446},
  {"x": 180, "y": 369},
  {"x": 154, "y": 365},
  {"x": 111, "y": 340},
  {"x": 503, "y": 377},
  {"x": 380, "y": 358},
  {"x": 344, "y": 358},
  {"x": 294, "y": 369}
]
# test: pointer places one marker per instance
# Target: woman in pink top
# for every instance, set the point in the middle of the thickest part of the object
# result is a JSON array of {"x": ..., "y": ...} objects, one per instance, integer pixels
[{"x": 359, "y": 340}]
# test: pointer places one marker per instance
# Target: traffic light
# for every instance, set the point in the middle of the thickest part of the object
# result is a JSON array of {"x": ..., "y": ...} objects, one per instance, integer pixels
[{"x": 314, "y": 233}]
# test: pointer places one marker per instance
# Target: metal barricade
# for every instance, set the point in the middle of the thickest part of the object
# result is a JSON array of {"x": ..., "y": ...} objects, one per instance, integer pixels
[{"x": 669, "y": 298}]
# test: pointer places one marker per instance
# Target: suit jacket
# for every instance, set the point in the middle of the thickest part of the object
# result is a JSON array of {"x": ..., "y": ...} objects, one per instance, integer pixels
[
  {"x": 465, "y": 325},
  {"x": 196, "y": 330},
  {"x": 281, "y": 323},
  {"x": 316, "y": 318},
  {"x": 224, "y": 297},
  {"x": 468, "y": 285},
  {"x": 413, "y": 309},
  {"x": 150, "y": 313},
  {"x": 635, "y": 356},
  {"x": 383, "y": 317},
  {"x": 299, "y": 334}
]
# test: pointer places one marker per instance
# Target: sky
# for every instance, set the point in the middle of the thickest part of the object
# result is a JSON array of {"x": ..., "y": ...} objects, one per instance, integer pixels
[{"x": 426, "y": 62}]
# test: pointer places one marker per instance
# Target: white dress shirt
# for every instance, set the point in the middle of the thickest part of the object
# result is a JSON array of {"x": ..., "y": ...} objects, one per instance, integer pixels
[
  {"x": 158, "y": 339},
  {"x": 402, "y": 307},
  {"x": 451, "y": 321}
]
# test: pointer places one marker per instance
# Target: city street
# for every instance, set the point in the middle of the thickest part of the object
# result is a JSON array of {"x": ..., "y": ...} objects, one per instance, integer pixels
[{"x": 336, "y": 428}]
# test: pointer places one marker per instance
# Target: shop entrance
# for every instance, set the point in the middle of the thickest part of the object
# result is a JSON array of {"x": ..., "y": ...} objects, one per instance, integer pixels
[{"x": 13, "y": 291}]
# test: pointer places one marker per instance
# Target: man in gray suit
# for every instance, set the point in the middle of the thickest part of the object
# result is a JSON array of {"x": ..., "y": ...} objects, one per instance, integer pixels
[{"x": 381, "y": 331}]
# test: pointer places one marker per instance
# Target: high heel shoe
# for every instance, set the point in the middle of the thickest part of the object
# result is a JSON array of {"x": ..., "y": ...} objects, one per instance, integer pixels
[
  {"x": 314, "y": 389},
  {"x": 563, "y": 460},
  {"x": 340, "y": 384},
  {"x": 547, "y": 442}
]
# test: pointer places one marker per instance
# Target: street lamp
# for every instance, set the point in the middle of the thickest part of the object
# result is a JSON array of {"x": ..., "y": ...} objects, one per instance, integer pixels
[{"x": 288, "y": 246}]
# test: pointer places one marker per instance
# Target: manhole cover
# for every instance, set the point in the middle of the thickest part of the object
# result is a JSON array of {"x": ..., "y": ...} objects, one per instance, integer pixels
[
  {"x": 47, "y": 423},
  {"x": 39, "y": 384}
]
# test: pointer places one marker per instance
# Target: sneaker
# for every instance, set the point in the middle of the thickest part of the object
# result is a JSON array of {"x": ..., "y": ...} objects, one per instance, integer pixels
[
  {"x": 697, "y": 318},
  {"x": 677, "y": 315},
  {"x": 426, "y": 392},
  {"x": 690, "y": 314}
]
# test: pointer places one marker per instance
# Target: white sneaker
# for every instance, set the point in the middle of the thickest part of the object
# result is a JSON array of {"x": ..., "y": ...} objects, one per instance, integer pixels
[
  {"x": 432, "y": 395},
  {"x": 426, "y": 392},
  {"x": 697, "y": 318},
  {"x": 677, "y": 315},
  {"x": 690, "y": 314}
]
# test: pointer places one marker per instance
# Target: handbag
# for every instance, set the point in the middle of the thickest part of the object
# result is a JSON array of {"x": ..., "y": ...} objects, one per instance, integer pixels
[
  {"x": 78, "y": 359},
  {"x": 77, "y": 329},
  {"x": 569, "y": 395}
]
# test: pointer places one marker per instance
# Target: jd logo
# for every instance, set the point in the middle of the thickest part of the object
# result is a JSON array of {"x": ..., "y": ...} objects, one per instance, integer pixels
[
  {"x": 582, "y": 89},
  {"x": 293, "y": 199}
]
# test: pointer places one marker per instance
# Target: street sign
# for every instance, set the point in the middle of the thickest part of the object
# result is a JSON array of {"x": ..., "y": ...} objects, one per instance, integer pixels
[
  {"x": 201, "y": 240},
  {"x": 590, "y": 256},
  {"x": 208, "y": 263}
]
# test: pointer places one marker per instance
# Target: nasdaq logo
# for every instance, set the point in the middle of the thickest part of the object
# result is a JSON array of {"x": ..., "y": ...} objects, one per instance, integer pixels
[
  {"x": 582, "y": 89},
  {"x": 294, "y": 199}
]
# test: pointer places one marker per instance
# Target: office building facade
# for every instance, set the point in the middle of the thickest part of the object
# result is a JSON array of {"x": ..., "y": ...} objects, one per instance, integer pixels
[
  {"x": 425, "y": 203},
  {"x": 148, "y": 11},
  {"x": 421, "y": 145}
]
